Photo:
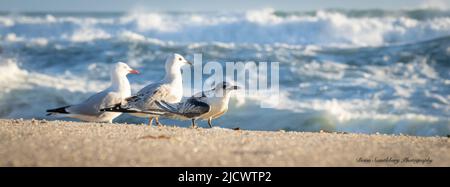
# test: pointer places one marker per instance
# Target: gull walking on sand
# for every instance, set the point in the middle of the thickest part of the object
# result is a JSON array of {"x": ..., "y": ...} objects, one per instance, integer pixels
[
  {"x": 207, "y": 105},
  {"x": 89, "y": 110},
  {"x": 169, "y": 89}
]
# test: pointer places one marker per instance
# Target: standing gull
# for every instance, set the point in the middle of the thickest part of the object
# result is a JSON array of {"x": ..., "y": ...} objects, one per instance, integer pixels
[
  {"x": 207, "y": 105},
  {"x": 169, "y": 89},
  {"x": 89, "y": 110}
]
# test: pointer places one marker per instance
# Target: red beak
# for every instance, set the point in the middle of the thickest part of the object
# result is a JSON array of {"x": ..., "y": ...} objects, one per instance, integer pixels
[{"x": 133, "y": 71}]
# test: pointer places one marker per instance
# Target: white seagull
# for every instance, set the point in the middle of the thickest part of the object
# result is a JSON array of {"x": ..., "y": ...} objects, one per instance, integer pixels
[
  {"x": 169, "y": 89},
  {"x": 89, "y": 110},
  {"x": 207, "y": 105}
]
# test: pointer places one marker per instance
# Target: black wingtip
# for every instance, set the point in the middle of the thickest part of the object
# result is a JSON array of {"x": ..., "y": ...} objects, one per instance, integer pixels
[
  {"x": 61, "y": 110},
  {"x": 116, "y": 108}
]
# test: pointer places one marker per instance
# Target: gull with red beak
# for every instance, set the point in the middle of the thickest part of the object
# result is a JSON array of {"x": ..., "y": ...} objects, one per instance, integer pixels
[
  {"x": 169, "y": 89},
  {"x": 89, "y": 110}
]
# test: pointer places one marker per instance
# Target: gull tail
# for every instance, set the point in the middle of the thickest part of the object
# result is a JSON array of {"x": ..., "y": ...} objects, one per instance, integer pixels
[{"x": 56, "y": 111}]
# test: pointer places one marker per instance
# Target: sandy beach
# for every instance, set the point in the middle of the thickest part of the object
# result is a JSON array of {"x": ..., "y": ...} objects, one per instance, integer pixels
[{"x": 63, "y": 143}]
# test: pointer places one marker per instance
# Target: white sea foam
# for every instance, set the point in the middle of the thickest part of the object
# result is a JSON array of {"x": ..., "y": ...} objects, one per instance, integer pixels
[
  {"x": 13, "y": 77},
  {"x": 132, "y": 36},
  {"x": 12, "y": 37},
  {"x": 39, "y": 41},
  {"x": 151, "y": 21},
  {"x": 128, "y": 35},
  {"x": 86, "y": 34}
]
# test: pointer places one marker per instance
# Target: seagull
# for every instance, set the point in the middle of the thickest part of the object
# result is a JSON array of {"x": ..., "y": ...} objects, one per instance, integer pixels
[
  {"x": 169, "y": 89},
  {"x": 207, "y": 105},
  {"x": 89, "y": 110}
]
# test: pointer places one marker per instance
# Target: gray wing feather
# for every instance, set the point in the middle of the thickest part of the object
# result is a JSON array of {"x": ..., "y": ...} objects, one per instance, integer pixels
[
  {"x": 191, "y": 108},
  {"x": 93, "y": 104},
  {"x": 145, "y": 98}
]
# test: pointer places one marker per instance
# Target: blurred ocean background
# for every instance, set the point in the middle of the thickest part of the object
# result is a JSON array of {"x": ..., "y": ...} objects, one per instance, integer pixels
[{"x": 363, "y": 71}]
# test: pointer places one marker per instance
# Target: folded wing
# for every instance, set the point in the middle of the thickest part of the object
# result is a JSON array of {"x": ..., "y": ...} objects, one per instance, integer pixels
[{"x": 191, "y": 108}]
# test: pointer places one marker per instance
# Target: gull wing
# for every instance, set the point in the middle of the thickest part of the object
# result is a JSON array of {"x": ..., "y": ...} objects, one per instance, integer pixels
[
  {"x": 93, "y": 104},
  {"x": 191, "y": 108},
  {"x": 146, "y": 97}
]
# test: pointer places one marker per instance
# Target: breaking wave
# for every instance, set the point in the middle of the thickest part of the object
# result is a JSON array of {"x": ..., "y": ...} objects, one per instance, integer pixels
[{"x": 324, "y": 28}]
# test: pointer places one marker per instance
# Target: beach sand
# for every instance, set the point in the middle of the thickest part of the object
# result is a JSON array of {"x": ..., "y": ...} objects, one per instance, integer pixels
[{"x": 63, "y": 143}]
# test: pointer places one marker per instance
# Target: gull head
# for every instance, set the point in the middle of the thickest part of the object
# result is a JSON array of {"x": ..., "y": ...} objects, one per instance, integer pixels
[
  {"x": 123, "y": 69},
  {"x": 176, "y": 60}
]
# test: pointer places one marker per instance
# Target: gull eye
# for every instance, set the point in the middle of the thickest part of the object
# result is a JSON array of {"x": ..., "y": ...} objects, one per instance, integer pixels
[{"x": 179, "y": 59}]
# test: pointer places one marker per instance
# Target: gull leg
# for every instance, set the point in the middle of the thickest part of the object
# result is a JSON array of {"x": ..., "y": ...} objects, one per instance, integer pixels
[
  {"x": 158, "y": 123},
  {"x": 150, "y": 121},
  {"x": 193, "y": 124},
  {"x": 209, "y": 122}
]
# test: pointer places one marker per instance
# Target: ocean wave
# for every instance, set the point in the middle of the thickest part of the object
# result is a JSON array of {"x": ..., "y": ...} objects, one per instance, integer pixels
[
  {"x": 324, "y": 28},
  {"x": 13, "y": 77},
  {"x": 27, "y": 94},
  {"x": 350, "y": 115}
]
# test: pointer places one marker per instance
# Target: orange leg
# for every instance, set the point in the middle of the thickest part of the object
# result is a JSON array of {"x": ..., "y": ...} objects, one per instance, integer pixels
[
  {"x": 150, "y": 121},
  {"x": 158, "y": 123}
]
